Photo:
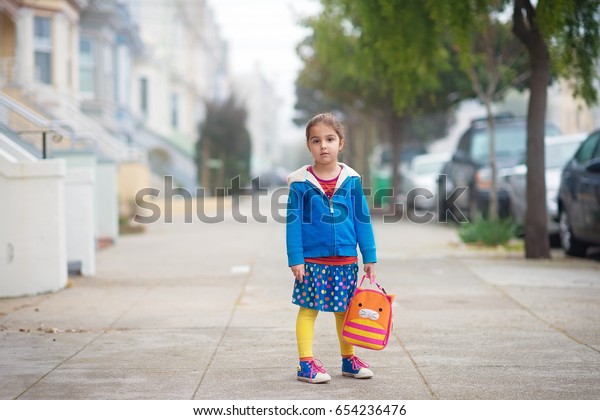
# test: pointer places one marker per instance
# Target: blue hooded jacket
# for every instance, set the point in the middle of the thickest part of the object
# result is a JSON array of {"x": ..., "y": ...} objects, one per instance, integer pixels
[{"x": 321, "y": 227}]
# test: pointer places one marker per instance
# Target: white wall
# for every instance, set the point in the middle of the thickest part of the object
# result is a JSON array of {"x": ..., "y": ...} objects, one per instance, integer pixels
[
  {"x": 81, "y": 218},
  {"x": 81, "y": 209},
  {"x": 32, "y": 226},
  {"x": 107, "y": 200}
]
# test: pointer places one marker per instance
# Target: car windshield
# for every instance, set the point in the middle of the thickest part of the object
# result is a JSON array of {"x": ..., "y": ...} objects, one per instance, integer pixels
[
  {"x": 557, "y": 155},
  {"x": 509, "y": 141}
]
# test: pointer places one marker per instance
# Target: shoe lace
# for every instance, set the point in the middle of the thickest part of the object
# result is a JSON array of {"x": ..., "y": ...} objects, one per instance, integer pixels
[
  {"x": 357, "y": 363},
  {"x": 316, "y": 366}
]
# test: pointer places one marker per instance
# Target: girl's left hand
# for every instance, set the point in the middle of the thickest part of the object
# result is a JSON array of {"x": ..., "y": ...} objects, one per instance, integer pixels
[{"x": 370, "y": 270}]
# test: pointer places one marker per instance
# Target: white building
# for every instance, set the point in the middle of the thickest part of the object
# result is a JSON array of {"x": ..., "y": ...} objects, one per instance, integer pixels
[
  {"x": 263, "y": 106},
  {"x": 185, "y": 64}
]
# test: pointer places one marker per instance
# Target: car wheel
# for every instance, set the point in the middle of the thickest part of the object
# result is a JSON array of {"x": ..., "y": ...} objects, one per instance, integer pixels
[
  {"x": 555, "y": 240},
  {"x": 569, "y": 243}
]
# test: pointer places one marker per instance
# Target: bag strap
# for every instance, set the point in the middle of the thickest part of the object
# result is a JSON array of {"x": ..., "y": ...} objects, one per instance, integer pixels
[{"x": 372, "y": 281}]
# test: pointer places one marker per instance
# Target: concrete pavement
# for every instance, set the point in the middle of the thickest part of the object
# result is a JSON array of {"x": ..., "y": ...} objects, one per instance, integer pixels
[{"x": 202, "y": 311}]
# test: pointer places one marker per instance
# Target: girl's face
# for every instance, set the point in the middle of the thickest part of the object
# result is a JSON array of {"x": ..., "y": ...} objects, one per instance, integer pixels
[{"x": 324, "y": 144}]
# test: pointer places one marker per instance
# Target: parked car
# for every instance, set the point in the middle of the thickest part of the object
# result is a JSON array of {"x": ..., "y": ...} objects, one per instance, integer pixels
[
  {"x": 558, "y": 150},
  {"x": 469, "y": 166},
  {"x": 423, "y": 172},
  {"x": 579, "y": 199},
  {"x": 380, "y": 165}
]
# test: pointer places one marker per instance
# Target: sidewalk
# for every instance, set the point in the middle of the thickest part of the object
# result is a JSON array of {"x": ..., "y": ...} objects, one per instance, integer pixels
[{"x": 202, "y": 311}]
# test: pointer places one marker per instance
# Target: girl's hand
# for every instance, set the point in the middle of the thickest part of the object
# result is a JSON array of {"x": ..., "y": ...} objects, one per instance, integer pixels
[
  {"x": 298, "y": 271},
  {"x": 370, "y": 270}
]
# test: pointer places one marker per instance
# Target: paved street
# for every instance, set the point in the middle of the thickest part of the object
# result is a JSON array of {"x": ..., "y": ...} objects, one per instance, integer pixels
[{"x": 202, "y": 311}]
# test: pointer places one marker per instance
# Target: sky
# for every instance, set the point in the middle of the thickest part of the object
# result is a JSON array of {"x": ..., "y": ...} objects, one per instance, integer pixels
[{"x": 265, "y": 33}]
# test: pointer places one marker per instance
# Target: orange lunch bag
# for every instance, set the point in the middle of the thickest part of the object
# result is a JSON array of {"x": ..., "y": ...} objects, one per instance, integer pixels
[{"x": 369, "y": 318}]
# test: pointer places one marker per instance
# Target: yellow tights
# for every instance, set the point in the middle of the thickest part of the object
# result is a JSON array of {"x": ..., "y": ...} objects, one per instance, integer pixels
[{"x": 305, "y": 329}]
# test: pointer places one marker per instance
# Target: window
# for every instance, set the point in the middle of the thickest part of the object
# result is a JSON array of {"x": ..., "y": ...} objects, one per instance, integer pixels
[
  {"x": 557, "y": 155},
  {"x": 144, "y": 96},
  {"x": 123, "y": 71},
  {"x": 597, "y": 152},
  {"x": 174, "y": 110},
  {"x": 463, "y": 143},
  {"x": 87, "y": 64},
  {"x": 586, "y": 150},
  {"x": 43, "y": 48},
  {"x": 510, "y": 141},
  {"x": 108, "y": 63}
]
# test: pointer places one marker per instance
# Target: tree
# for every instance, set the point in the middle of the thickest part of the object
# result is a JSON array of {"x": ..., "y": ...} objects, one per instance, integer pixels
[
  {"x": 563, "y": 33},
  {"x": 560, "y": 35},
  {"x": 491, "y": 57},
  {"x": 384, "y": 55},
  {"x": 224, "y": 149}
]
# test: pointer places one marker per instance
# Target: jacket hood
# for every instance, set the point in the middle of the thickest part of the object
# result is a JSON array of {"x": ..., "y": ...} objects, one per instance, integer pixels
[{"x": 302, "y": 174}]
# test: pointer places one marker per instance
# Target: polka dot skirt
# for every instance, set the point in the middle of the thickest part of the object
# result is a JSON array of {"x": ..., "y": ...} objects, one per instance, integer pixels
[{"x": 326, "y": 287}]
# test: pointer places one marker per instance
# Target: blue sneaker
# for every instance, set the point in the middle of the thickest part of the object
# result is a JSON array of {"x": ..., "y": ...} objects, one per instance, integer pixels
[
  {"x": 356, "y": 368},
  {"x": 313, "y": 372}
]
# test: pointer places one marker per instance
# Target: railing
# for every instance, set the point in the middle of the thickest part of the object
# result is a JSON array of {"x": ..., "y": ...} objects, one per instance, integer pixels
[
  {"x": 30, "y": 126},
  {"x": 77, "y": 130},
  {"x": 86, "y": 128}
]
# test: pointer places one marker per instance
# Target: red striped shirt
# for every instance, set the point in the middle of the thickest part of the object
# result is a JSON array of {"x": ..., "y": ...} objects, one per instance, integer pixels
[{"x": 328, "y": 186}]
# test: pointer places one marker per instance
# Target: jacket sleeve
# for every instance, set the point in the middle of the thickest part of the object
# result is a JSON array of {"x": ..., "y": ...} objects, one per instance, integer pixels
[
  {"x": 295, "y": 250},
  {"x": 362, "y": 224}
]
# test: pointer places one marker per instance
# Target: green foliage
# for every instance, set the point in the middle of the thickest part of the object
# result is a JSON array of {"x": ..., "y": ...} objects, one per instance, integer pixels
[
  {"x": 572, "y": 31},
  {"x": 224, "y": 144},
  {"x": 490, "y": 232},
  {"x": 401, "y": 55},
  {"x": 378, "y": 55}
]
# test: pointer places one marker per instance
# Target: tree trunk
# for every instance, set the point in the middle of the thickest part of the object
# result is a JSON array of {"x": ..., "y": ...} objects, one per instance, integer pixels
[
  {"x": 396, "y": 134},
  {"x": 536, "y": 221},
  {"x": 525, "y": 27},
  {"x": 493, "y": 202}
]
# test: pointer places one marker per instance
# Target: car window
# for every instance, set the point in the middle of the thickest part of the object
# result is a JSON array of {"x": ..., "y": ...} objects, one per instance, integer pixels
[
  {"x": 386, "y": 157},
  {"x": 463, "y": 143},
  {"x": 586, "y": 151},
  {"x": 597, "y": 152},
  {"x": 557, "y": 155},
  {"x": 510, "y": 141}
]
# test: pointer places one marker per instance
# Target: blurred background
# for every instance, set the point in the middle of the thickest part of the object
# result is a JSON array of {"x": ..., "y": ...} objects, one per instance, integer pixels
[{"x": 100, "y": 99}]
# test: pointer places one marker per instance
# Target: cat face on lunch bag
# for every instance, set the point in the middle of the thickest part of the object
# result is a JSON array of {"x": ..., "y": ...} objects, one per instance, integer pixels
[{"x": 373, "y": 306}]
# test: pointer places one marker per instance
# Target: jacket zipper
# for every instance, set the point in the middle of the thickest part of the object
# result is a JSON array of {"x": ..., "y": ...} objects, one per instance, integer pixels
[
  {"x": 331, "y": 212},
  {"x": 332, "y": 226}
]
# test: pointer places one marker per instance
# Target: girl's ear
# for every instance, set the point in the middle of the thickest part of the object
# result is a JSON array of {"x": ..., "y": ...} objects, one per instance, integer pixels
[{"x": 342, "y": 142}]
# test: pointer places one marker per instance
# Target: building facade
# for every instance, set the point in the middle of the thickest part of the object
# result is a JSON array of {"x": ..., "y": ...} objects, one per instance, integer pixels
[
  {"x": 96, "y": 87},
  {"x": 184, "y": 65}
]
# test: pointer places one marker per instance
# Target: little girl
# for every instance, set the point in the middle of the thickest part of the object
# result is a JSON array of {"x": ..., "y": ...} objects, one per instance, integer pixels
[{"x": 327, "y": 216}]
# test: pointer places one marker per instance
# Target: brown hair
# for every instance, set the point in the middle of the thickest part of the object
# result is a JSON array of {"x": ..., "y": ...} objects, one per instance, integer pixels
[{"x": 327, "y": 119}]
